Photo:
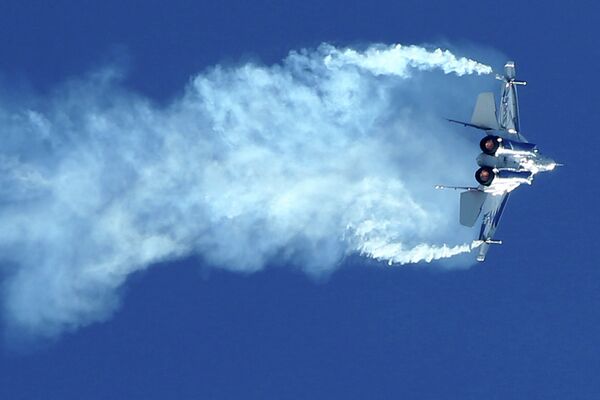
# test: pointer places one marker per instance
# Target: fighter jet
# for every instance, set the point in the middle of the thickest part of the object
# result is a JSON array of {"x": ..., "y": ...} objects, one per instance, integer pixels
[{"x": 508, "y": 160}]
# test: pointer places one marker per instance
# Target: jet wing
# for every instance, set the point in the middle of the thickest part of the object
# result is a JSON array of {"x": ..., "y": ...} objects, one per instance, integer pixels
[
  {"x": 509, "y": 104},
  {"x": 509, "y": 108},
  {"x": 492, "y": 211}
]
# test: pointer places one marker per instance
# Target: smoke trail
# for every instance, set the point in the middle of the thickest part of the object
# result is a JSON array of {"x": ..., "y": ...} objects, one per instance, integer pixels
[
  {"x": 333, "y": 152},
  {"x": 397, "y": 59}
]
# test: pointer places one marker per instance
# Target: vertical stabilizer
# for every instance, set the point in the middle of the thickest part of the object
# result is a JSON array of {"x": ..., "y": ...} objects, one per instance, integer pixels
[
  {"x": 484, "y": 114},
  {"x": 470, "y": 206}
]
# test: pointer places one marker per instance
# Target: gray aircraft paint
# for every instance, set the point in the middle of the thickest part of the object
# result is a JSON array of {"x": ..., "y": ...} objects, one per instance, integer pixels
[{"x": 513, "y": 162}]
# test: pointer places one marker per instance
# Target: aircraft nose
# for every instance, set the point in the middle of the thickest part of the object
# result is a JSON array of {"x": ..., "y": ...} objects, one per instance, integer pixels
[{"x": 550, "y": 163}]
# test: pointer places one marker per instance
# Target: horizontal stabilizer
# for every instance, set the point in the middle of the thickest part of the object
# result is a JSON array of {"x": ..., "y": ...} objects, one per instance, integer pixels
[
  {"x": 484, "y": 114},
  {"x": 485, "y": 128},
  {"x": 455, "y": 187},
  {"x": 471, "y": 202}
]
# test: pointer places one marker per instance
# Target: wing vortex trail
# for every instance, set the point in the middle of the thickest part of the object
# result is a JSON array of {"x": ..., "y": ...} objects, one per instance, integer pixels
[{"x": 321, "y": 156}]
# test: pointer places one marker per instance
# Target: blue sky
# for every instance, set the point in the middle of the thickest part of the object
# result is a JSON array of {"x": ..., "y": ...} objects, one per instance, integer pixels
[{"x": 523, "y": 325}]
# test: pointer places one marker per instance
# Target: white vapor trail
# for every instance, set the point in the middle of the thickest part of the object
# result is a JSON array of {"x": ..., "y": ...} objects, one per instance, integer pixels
[
  {"x": 398, "y": 59},
  {"x": 332, "y": 152}
]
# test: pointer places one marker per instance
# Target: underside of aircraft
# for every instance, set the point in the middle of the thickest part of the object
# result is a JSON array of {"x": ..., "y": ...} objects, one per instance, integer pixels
[{"x": 507, "y": 160}]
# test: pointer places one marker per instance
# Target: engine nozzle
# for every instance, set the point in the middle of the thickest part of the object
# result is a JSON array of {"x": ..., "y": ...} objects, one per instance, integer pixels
[
  {"x": 489, "y": 144},
  {"x": 485, "y": 176}
]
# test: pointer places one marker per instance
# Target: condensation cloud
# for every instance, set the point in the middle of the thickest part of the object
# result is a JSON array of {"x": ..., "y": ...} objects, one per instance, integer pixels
[{"x": 332, "y": 152}]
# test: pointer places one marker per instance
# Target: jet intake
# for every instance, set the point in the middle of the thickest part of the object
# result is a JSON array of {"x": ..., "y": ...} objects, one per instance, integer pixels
[{"x": 515, "y": 176}]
